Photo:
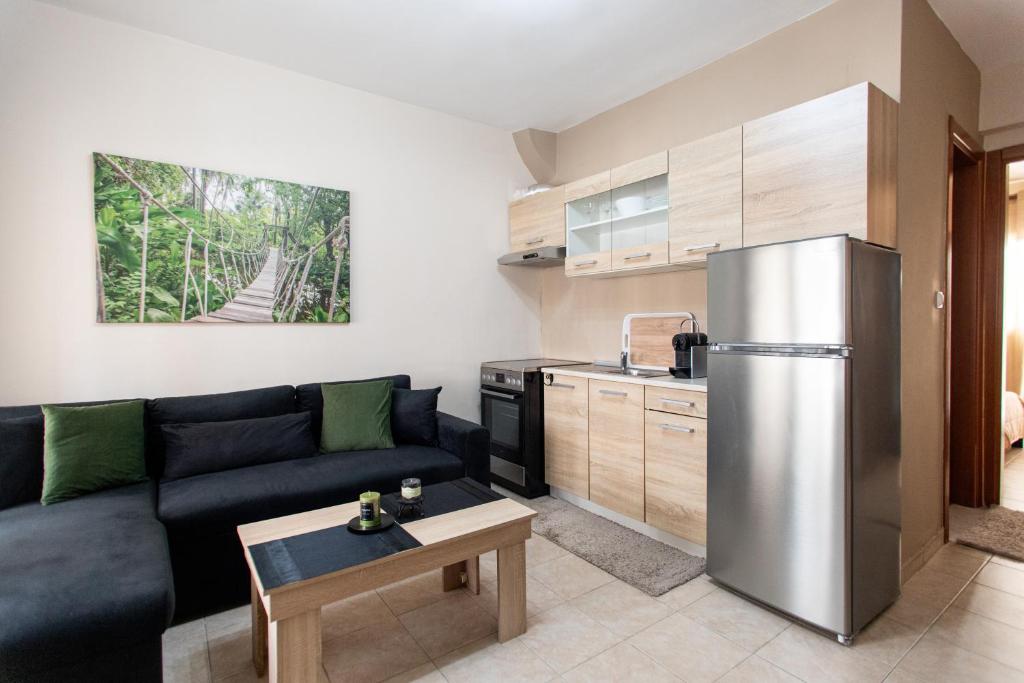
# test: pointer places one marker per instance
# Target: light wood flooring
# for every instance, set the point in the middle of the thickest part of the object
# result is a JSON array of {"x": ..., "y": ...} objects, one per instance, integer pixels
[{"x": 960, "y": 618}]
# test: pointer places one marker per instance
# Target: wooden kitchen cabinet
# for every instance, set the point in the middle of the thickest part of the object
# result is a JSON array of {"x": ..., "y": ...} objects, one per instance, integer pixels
[
  {"x": 617, "y": 446},
  {"x": 640, "y": 213},
  {"x": 676, "y": 474},
  {"x": 678, "y": 401},
  {"x": 588, "y": 225},
  {"x": 823, "y": 167},
  {"x": 537, "y": 220},
  {"x": 705, "y": 183},
  {"x": 566, "y": 438}
]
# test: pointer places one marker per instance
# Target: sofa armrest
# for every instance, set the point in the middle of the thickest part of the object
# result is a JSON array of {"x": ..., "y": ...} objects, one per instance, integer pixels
[{"x": 469, "y": 441}]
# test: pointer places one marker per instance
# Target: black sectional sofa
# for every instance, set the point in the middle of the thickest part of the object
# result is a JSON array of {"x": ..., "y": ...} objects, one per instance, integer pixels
[{"x": 88, "y": 586}]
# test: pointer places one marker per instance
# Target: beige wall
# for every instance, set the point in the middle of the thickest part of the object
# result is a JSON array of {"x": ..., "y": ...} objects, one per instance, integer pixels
[
  {"x": 846, "y": 43},
  {"x": 1002, "y": 106},
  {"x": 938, "y": 80}
]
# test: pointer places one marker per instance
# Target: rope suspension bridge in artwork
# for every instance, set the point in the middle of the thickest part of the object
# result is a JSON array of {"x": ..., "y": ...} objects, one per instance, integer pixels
[{"x": 258, "y": 282}]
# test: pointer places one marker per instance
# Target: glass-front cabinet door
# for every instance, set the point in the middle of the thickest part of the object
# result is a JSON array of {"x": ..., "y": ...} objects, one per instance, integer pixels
[
  {"x": 588, "y": 225},
  {"x": 639, "y": 227}
]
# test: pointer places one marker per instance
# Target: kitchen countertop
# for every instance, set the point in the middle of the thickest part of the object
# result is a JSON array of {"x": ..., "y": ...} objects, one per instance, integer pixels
[{"x": 665, "y": 381}]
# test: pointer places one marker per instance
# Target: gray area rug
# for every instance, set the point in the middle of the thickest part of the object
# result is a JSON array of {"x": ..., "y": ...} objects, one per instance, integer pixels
[
  {"x": 1000, "y": 531},
  {"x": 642, "y": 562}
]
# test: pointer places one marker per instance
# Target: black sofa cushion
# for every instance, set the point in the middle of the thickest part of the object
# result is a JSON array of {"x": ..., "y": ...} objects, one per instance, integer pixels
[
  {"x": 234, "y": 405},
  {"x": 309, "y": 397},
  {"x": 414, "y": 416},
  {"x": 88, "y": 576},
  {"x": 21, "y": 460},
  {"x": 222, "y": 500},
  {"x": 201, "y": 447}
]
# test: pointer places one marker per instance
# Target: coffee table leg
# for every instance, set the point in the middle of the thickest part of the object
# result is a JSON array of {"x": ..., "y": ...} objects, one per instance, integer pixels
[
  {"x": 511, "y": 591},
  {"x": 259, "y": 631},
  {"x": 451, "y": 576},
  {"x": 473, "y": 574},
  {"x": 295, "y": 649}
]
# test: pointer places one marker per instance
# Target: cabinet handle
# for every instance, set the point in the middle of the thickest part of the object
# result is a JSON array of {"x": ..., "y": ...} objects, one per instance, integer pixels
[
  {"x": 580, "y": 264},
  {"x": 677, "y": 428},
  {"x": 633, "y": 256},
  {"x": 609, "y": 392},
  {"x": 562, "y": 385},
  {"x": 675, "y": 402},
  {"x": 535, "y": 240},
  {"x": 703, "y": 247}
]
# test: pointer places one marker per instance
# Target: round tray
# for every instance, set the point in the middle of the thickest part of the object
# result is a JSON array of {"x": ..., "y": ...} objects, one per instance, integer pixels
[{"x": 386, "y": 521}]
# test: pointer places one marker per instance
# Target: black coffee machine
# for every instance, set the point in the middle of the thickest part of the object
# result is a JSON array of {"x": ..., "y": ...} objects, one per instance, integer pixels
[{"x": 691, "y": 352}]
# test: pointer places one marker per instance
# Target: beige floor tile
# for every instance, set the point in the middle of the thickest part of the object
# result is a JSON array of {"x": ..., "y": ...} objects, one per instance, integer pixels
[
  {"x": 753, "y": 669},
  {"x": 983, "y": 636},
  {"x": 487, "y": 659},
  {"x": 446, "y": 625},
  {"x": 425, "y": 673},
  {"x": 372, "y": 654},
  {"x": 688, "y": 649},
  {"x": 248, "y": 675},
  {"x": 186, "y": 658},
  {"x": 622, "y": 663},
  {"x": 739, "y": 620},
  {"x": 540, "y": 550},
  {"x": 814, "y": 657},
  {"x": 352, "y": 614},
  {"x": 538, "y": 597},
  {"x": 564, "y": 637},
  {"x": 963, "y": 518},
  {"x": 688, "y": 593},
  {"x": 958, "y": 560},
  {"x": 621, "y": 608},
  {"x": 230, "y": 621},
  {"x": 885, "y": 641},
  {"x": 1007, "y": 562},
  {"x": 570, "y": 576},
  {"x": 903, "y": 676},
  {"x": 415, "y": 592},
  {"x": 1002, "y": 577},
  {"x": 230, "y": 653},
  {"x": 936, "y": 660},
  {"x": 992, "y": 603},
  {"x": 924, "y": 597}
]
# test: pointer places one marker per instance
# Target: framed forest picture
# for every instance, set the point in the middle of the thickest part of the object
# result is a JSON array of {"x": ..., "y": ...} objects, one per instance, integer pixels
[{"x": 182, "y": 244}]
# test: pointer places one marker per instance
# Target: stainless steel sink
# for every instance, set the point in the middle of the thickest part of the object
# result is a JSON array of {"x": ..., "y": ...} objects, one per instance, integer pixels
[{"x": 629, "y": 372}]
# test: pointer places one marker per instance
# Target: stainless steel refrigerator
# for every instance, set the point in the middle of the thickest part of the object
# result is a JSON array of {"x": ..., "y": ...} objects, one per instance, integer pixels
[{"x": 804, "y": 428}]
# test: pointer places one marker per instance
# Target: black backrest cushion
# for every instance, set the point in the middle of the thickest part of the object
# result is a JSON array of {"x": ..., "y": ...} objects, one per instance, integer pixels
[
  {"x": 235, "y": 405},
  {"x": 308, "y": 397},
  {"x": 202, "y": 447},
  {"x": 414, "y": 416},
  {"x": 21, "y": 460}
]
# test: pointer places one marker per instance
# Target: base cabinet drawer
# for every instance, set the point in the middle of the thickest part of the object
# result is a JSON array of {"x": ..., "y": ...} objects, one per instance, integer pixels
[
  {"x": 678, "y": 401},
  {"x": 566, "y": 438},
  {"x": 617, "y": 447},
  {"x": 676, "y": 474}
]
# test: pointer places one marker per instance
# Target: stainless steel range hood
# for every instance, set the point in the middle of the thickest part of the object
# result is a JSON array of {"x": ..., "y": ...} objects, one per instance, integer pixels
[{"x": 541, "y": 257}]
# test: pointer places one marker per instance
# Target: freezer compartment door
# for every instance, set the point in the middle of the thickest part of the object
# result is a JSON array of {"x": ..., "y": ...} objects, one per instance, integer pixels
[
  {"x": 788, "y": 293},
  {"x": 777, "y": 482}
]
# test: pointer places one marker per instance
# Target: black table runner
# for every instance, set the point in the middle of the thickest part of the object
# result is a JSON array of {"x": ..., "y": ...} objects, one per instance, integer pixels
[{"x": 312, "y": 554}]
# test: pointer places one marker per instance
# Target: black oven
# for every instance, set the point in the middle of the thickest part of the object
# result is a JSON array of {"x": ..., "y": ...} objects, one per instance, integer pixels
[{"x": 512, "y": 410}]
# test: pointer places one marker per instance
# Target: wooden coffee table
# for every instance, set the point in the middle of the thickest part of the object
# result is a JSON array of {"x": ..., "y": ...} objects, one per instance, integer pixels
[{"x": 286, "y": 618}]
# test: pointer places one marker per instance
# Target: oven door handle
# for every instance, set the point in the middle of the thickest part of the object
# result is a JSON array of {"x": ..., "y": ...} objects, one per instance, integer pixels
[{"x": 501, "y": 394}]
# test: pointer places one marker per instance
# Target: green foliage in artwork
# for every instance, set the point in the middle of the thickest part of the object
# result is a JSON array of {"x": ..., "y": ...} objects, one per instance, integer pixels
[{"x": 237, "y": 224}]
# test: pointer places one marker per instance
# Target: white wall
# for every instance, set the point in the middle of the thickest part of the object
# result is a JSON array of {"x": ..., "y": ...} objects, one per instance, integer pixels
[{"x": 429, "y": 195}]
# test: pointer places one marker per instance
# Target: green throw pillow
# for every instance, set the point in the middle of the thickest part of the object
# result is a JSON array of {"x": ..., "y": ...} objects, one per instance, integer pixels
[
  {"x": 90, "y": 448},
  {"x": 357, "y": 416}
]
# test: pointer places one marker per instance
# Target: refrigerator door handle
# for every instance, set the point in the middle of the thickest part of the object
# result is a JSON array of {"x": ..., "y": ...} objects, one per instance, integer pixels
[{"x": 800, "y": 350}]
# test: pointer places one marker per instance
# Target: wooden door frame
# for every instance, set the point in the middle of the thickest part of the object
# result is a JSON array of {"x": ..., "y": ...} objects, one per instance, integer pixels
[{"x": 990, "y": 306}]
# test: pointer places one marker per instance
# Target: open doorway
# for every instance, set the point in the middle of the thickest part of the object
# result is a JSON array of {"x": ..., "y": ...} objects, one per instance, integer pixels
[{"x": 1012, "y": 479}]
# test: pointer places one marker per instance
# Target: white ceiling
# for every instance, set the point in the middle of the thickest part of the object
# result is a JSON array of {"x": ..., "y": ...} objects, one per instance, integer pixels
[
  {"x": 514, "y": 64},
  {"x": 991, "y": 32}
]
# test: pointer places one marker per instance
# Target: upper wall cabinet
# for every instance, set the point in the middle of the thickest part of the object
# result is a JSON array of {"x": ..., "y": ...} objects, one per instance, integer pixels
[
  {"x": 588, "y": 225},
  {"x": 537, "y": 220},
  {"x": 705, "y": 180},
  {"x": 824, "y": 167}
]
